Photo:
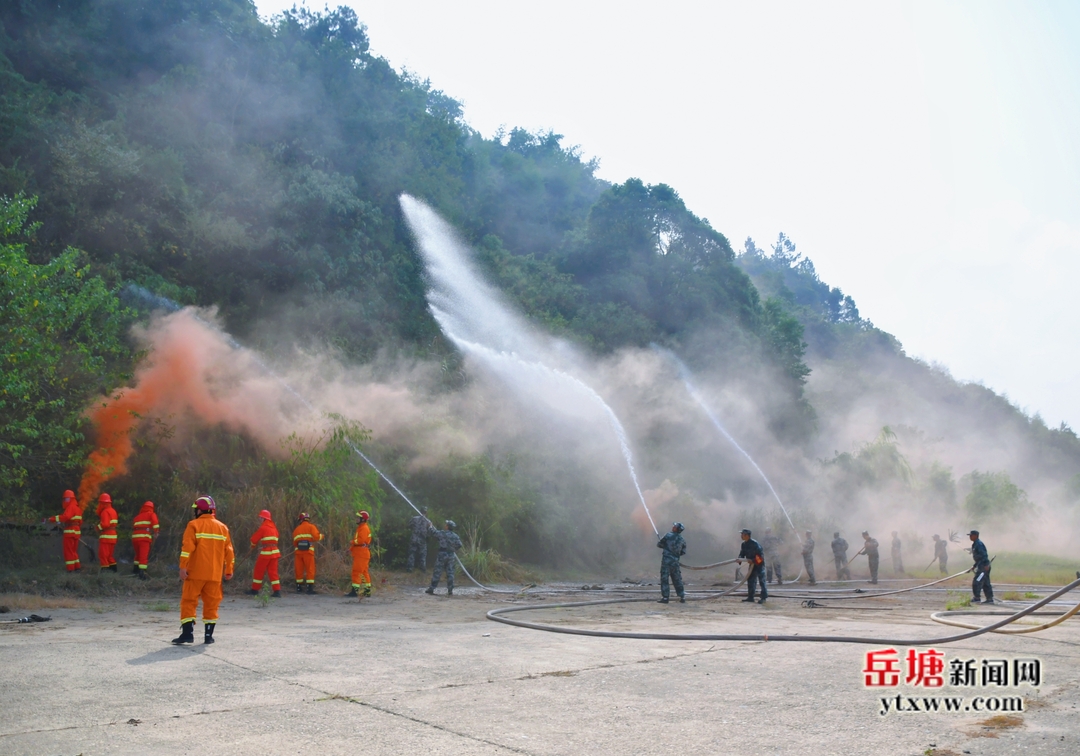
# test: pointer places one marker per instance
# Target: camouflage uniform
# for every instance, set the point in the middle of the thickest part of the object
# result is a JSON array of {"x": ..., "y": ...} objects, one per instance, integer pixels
[
  {"x": 808, "y": 558},
  {"x": 873, "y": 556},
  {"x": 839, "y": 552},
  {"x": 674, "y": 546},
  {"x": 418, "y": 532},
  {"x": 444, "y": 560},
  {"x": 941, "y": 554},
  {"x": 771, "y": 543}
]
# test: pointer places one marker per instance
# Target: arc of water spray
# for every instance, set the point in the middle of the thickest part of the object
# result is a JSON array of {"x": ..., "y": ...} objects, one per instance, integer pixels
[
  {"x": 169, "y": 305},
  {"x": 489, "y": 354},
  {"x": 684, "y": 374}
]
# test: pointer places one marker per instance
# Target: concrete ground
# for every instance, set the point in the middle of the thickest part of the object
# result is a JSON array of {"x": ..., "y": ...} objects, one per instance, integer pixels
[{"x": 406, "y": 672}]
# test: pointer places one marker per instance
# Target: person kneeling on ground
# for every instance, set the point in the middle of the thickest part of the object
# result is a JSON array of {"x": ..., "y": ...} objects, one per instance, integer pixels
[
  {"x": 674, "y": 546},
  {"x": 751, "y": 552}
]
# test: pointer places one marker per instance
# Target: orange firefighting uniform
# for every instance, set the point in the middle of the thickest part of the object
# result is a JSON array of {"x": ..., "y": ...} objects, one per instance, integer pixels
[
  {"x": 361, "y": 556},
  {"x": 304, "y": 560},
  {"x": 106, "y": 534},
  {"x": 71, "y": 519},
  {"x": 143, "y": 531},
  {"x": 206, "y": 554},
  {"x": 266, "y": 537}
]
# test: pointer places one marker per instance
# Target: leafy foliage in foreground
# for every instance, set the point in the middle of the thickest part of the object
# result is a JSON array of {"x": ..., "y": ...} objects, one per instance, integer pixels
[{"x": 61, "y": 343}]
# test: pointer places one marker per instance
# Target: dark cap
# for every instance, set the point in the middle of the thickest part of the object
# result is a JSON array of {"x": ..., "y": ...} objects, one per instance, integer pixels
[
  {"x": 744, "y": 531},
  {"x": 866, "y": 532},
  {"x": 974, "y": 533}
]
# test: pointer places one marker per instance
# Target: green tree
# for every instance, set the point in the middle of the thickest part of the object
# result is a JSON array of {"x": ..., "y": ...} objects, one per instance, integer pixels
[
  {"x": 993, "y": 495},
  {"x": 61, "y": 343}
]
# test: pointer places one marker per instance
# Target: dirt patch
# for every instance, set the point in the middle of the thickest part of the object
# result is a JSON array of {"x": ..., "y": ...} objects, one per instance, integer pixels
[
  {"x": 990, "y": 728},
  {"x": 17, "y": 602}
]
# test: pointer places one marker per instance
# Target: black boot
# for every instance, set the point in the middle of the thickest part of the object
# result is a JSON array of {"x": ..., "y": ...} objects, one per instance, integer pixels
[
  {"x": 311, "y": 589},
  {"x": 135, "y": 569},
  {"x": 367, "y": 590},
  {"x": 187, "y": 633},
  {"x": 449, "y": 591},
  {"x": 275, "y": 594},
  {"x": 252, "y": 592},
  {"x": 299, "y": 587},
  {"x": 353, "y": 593},
  {"x": 208, "y": 633},
  {"x": 114, "y": 568},
  {"x": 142, "y": 575},
  {"x": 430, "y": 591}
]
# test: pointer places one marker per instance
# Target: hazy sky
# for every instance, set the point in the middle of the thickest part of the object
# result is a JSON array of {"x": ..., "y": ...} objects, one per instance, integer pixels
[{"x": 924, "y": 155}]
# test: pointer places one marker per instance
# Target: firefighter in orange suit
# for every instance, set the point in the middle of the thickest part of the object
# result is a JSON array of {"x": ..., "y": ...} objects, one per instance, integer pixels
[
  {"x": 206, "y": 555},
  {"x": 304, "y": 537},
  {"x": 361, "y": 556},
  {"x": 143, "y": 532},
  {"x": 107, "y": 521},
  {"x": 71, "y": 520},
  {"x": 266, "y": 539}
]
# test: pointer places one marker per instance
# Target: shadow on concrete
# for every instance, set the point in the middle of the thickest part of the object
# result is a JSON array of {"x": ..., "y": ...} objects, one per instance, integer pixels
[{"x": 169, "y": 653}]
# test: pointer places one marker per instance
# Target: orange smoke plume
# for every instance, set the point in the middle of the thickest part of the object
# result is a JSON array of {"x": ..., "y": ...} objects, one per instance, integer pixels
[{"x": 191, "y": 370}]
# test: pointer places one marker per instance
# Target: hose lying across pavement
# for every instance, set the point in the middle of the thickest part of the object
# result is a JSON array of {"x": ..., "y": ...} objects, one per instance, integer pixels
[{"x": 498, "y": 615}]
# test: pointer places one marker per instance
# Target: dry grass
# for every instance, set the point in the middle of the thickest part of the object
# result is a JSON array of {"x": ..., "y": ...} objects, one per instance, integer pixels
[
  {"x": 989, "y": 728},
  {"x": 29, "y": 602}
]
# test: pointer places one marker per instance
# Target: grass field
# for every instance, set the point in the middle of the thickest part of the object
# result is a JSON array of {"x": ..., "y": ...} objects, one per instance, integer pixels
[{"x": 1019, "y": 567}]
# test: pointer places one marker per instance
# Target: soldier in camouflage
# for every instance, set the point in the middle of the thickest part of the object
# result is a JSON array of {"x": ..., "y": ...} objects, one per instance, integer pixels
[
  {"x": 873, "y": 555},
  {"x": 674, "y": 546},
  {"x": 771, "y": 545},
  {"x": 418, "y": 535},
  {"x": 808, "y": 557},
  {"x": 444, "y": 560},
  {"x": 839, "y": 552}
]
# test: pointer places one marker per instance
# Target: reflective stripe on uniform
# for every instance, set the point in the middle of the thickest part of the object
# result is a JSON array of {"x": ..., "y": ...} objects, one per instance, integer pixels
[
  {"x": 140, "y": 535},
  {"x": 105, "y": 537},
  {"x": 184, "y": 555},
  {"x": 213, "y": 536},
  {"x": 269, "y": 553}
]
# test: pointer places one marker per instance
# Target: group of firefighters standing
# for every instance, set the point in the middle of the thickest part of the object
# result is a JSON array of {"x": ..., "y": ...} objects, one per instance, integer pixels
[
  {"x": 207, "y": 556},
  {"x": 764, "y": 561}
]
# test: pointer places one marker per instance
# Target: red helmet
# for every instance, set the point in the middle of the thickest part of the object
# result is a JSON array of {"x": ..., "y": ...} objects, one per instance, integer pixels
[
  {"x": 205, "y": 504},
  {"x": 148, "y": 505},
  {"x": 265, "y": 514},
  {"x": 69, "y": 495},
  {"x": 104, "y": 499},
  {"x": 303, "y": 516},
  {"x": 364, "y": 516}
]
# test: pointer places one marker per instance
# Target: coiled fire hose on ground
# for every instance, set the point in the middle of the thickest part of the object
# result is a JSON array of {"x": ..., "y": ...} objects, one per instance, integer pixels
[{"x": 498, "y": 615}]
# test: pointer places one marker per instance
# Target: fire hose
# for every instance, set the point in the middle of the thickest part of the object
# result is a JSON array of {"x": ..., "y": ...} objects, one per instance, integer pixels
[{"x": 498, "y": 615}]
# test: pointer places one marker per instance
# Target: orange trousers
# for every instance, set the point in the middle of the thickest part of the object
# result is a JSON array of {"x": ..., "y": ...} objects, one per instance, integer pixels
[
  {"x": 361, "y": 558},
  {"x": 210, "y": 593},
  {"x": 142, "y": 551},
  {"x": 71, "y": 553},
  {"x": 304, "y": 562},
  {"x": 105, "y": 550},
  {"x": 264, "y": 565}
]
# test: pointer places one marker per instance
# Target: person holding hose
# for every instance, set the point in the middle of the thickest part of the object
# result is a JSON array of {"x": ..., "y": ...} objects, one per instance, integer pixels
[
  {"x": 752, "y": 552},
  {"x": 205, "y": 556},
  {"x": 266, "y": 539},
  {"x": 143, "y": 532},
  {"x": 361, "y": 556},
  {"x": 71, "y": 521},
  {"x": 873, "y": 555},
  {"x": 449, "y": 542},
  {"x": 981, "y": 582},
  {"x": 107, "y": 521},
  {"x": 304, "y": 537},
  {"x": 418, "y": 534},
  {"x": 941, "y": 553},
  {"x": 674, "y": 546}
]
